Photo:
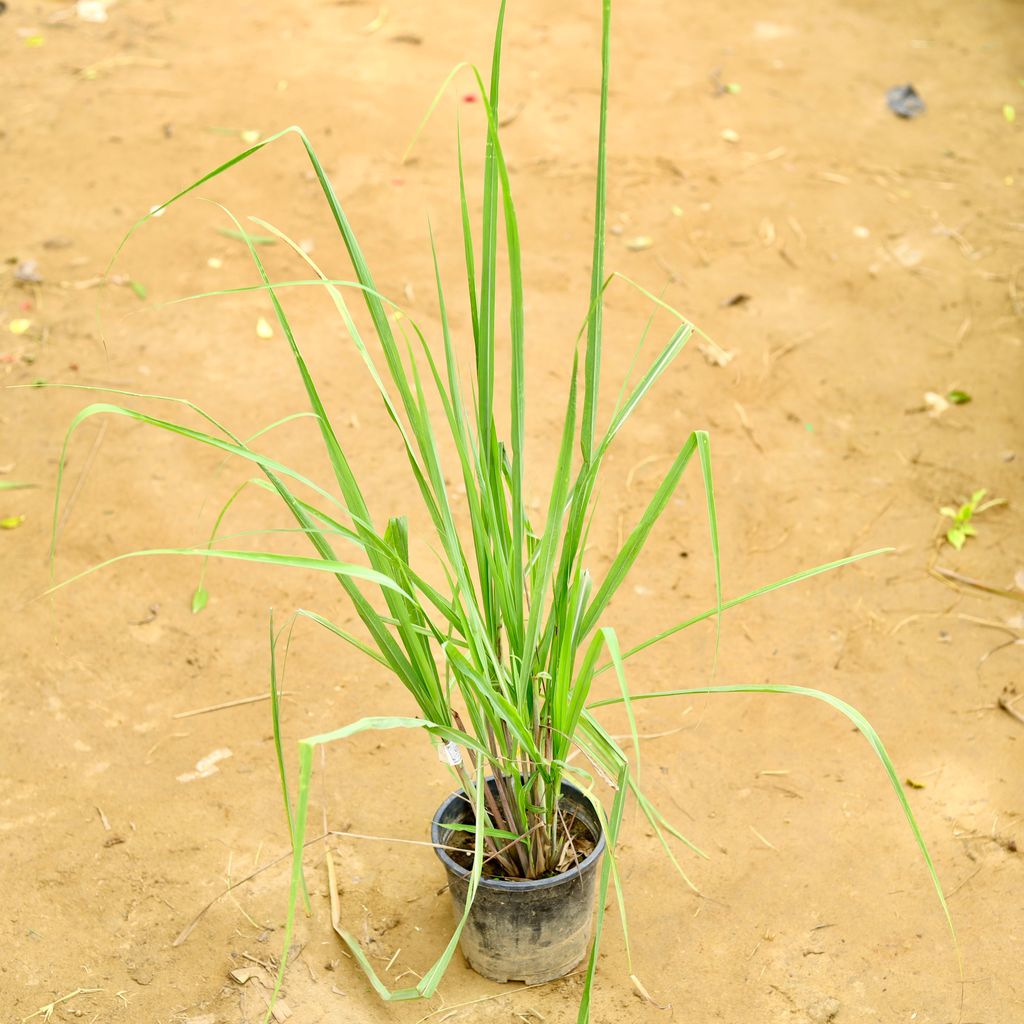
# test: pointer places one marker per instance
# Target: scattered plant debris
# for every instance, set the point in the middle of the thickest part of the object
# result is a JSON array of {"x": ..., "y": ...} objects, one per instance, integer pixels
[
  {"x": 1007, "y": 699},
  {"x": 640, "y": 243},
  {"x": 714, "y": 353},
  {"x": 988, "y": 588},
  {"x": 377, "y": 23},
  {"x": 723, "y": 88},
  {"x": 206, "y": 766},
  {"x": 27, "y": 272},
  {"x": 94, "y": 11},
  {"x": 46, "y": 1012}
]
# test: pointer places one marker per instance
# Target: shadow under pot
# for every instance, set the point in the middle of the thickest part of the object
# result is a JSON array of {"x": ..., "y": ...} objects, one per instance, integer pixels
[{"x": 519, "y": 929}]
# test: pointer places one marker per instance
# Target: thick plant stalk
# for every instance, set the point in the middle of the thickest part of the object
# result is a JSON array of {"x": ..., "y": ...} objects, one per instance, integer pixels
[{"x": 490, "y": 843}]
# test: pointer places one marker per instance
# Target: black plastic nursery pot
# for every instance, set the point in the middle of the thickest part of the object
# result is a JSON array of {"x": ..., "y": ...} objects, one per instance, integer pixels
[{"x": 519, "y": 930}]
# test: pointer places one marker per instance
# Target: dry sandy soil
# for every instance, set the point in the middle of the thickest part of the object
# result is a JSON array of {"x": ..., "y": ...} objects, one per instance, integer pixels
[{"x": 879, "y": 259}]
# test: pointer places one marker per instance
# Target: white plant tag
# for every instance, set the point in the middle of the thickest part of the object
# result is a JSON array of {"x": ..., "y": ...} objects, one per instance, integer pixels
[{"x": 449, "y": 753}]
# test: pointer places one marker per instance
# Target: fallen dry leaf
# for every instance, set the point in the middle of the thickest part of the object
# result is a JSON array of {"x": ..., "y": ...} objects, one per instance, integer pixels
[
  {"x": 935, "y": 403},
  {"x": 715, "y": 354},
  {"x": 373, "y": 26},
  {"x": 244, "y": 974},
  {"x": 207, "y": 766}
]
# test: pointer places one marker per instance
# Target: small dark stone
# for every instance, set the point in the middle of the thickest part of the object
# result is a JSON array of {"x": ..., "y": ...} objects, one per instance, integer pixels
[{"x": 904, "y": 101}]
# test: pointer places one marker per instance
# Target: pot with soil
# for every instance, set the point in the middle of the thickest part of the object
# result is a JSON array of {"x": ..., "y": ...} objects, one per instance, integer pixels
[
  {"x": 503, "y": 653},
  {"x": 530, "y": 930}
]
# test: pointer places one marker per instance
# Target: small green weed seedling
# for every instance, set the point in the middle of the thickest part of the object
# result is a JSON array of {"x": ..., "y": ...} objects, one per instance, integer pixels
[{"x": 962, "y": 527}]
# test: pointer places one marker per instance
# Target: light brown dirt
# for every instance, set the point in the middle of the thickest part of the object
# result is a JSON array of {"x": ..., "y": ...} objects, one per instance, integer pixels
[{"x": 882, "y": 260}]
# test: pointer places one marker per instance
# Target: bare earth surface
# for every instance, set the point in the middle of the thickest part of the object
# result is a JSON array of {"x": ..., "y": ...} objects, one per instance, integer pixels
[{"x": 878, "y": 259}]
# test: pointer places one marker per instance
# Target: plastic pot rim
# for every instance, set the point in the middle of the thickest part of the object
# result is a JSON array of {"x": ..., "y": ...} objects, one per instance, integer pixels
[{"x": 520, "y": 884}]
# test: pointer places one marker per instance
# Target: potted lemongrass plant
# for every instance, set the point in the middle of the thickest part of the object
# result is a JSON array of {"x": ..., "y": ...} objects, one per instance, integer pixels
[{"x": 502, "y": 662}]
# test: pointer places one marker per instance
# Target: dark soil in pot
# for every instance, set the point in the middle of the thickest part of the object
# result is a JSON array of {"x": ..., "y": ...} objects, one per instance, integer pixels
[{"x": 524, "y": 930}]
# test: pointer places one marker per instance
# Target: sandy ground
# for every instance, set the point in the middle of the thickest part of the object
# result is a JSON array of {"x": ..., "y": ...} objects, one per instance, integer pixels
[{"x": 879, "y": 259}]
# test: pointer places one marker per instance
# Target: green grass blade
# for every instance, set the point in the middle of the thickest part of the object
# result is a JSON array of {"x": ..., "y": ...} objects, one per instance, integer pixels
[
  {"x": 488, "y": 265},
  {"x": 198, "y": 183},
  {"x": 614, "y": 822},
  {"x": 344, "y": 569},
  {"x": 431, "y": 108},
  {"x": 635, "y": 542},
  {"x": 428, "y": 984},
  {"x": 675, "y": 345},
  {"x": 200, "y": 595},
  {"x": 611, "y": 642},
  {"x": 541, "y": 572},
  {"x": 423, "y": 681},
  {"x": 344, "y": 635},
  {"x": 704, "y": 453},
  {"x": 467, "y": 245},
  {"x": 804, "y": 574},
  {"x": 275, "y": 714},
  {"x": 592, "y": 368},
  {"x": 863, "y": 726}
]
